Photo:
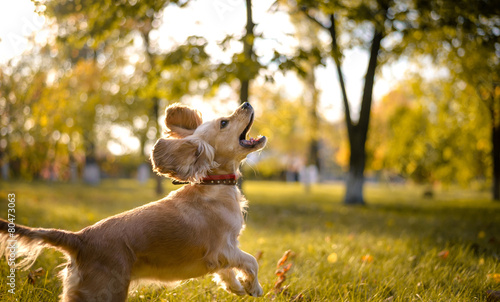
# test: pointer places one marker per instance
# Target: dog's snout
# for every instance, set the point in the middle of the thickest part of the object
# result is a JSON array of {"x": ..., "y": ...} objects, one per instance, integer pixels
[{"x": 246, "y": 105}]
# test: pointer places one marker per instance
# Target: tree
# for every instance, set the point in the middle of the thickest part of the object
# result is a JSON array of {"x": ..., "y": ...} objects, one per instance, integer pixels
[
  {"x": 430, "y": 132},
  {"x": 248, "y": 54},
  {"x": 464, "y": 37},
  {"x": 91, "y": 26},
  {"x": 347, "y": 23},
  {"x": 308, "y": 58}
]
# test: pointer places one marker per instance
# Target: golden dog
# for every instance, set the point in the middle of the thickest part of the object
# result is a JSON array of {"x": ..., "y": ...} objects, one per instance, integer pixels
[{"x": 191, "y": 232}]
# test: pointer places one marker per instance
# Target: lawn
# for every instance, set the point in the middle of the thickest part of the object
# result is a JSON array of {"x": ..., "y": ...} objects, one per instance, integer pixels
[{"x": 400, "y": 247}]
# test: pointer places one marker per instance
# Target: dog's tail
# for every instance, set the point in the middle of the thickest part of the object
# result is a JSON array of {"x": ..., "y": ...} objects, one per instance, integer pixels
[{"x": 19, "y": 241}]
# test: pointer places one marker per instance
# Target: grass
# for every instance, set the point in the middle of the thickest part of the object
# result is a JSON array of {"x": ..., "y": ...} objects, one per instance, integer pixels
[{"x": 399, "y": 247}]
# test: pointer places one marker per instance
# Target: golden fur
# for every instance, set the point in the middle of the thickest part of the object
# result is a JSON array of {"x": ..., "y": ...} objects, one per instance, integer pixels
[{"x": 191, "y": 232}]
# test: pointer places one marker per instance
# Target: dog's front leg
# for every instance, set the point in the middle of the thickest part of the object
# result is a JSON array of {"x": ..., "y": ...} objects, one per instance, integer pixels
[
  {"x": 248, "y": 265},
  {"x": 227, "y": 279}
]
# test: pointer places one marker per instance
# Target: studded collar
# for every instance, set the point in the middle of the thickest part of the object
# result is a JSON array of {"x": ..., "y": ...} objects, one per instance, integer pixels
[{"x": 225, "y": 179}]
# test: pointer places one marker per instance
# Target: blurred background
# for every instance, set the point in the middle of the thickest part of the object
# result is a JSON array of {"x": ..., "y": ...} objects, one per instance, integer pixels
[{"x": 400, "y": 92}]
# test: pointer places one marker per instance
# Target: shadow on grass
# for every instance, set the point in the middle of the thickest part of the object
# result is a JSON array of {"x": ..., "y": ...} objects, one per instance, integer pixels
[{"x": 473, "y": 224}]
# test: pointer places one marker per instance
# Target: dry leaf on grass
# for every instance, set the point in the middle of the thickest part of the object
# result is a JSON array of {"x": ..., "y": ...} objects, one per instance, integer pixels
[
  {"x": 444, "y": 254},
  {"x": 258, "y": 255},
  {"x": 284, "y": 258},
  {"x": 34, "y": 275},
  {"x": 494, "y": 277},
  {"x": 367, "y": 258},
  {"x": 282, "y": 268},
  {"x": 332, "y": 258},
  {"x": 492, "y": 296}
]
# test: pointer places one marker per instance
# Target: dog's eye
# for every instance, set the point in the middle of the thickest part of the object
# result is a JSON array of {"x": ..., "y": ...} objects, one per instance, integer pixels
[{"x": 223, "y": 124}]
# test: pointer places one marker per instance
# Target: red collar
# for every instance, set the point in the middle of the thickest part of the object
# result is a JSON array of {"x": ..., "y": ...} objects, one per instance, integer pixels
[{"x": 225, "y": 179}]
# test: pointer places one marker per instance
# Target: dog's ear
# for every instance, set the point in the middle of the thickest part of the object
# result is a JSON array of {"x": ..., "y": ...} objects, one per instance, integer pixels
[
  {"x": 181, "y": 120},
  {"x": 186, "y": 159}
]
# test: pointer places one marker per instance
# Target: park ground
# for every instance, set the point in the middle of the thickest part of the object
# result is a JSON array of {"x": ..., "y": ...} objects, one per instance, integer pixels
[{"x": 399, "y": 247}]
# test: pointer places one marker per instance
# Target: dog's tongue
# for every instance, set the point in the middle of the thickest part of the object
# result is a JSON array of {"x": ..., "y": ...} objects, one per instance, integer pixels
[{"x": 252, "y": 141}]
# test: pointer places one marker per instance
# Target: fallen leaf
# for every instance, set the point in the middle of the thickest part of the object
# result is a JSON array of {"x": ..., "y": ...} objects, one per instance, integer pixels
[
  {"x": 494, "y": 277},
  {"x": 444, "y": 254},
  {"x": 34, "y": 275},
  {"x": 367, "y": 258},
  {"x": 281, "y": 271},
  {"x": 493, "y": 296},
  {"x": 332, "y": 258},
  {"x": 258, "y": 255},
  {"x": 284, "y": 258}
]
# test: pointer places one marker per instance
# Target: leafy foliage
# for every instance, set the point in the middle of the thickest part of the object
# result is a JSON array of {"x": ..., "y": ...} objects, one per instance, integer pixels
[{"x": 431, "y": 132}]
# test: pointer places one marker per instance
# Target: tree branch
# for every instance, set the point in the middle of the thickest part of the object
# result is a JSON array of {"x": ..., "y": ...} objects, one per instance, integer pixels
[
  {"x": 364, "y": 116},
  {"x": 336, "y": 57},
  {"x": 314, "y": 20}
]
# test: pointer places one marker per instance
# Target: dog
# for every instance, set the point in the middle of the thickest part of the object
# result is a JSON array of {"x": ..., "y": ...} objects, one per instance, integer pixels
[{"x": 190, "y": 233}]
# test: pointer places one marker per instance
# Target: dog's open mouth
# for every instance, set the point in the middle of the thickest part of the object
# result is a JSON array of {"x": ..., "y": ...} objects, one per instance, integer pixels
[{"x": 251, "y": 142}]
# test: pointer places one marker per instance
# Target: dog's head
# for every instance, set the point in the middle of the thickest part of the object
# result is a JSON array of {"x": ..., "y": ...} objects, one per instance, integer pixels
[{"x": 192, "y": 149}]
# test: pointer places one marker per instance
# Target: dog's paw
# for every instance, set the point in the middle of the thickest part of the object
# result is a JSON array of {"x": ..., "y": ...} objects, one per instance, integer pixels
[
  {"x": 253, "y": 289},
  {"x": 236, "y": 288}
]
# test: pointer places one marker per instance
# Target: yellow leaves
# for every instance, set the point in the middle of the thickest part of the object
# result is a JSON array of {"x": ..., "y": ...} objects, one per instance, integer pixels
[
  {"x": 332, "y": 258},
  {"x": 367, "y": 258},
  {"x": 447, "y": 153},
  {"x": 418, "y": 34},
  {"x": 494, "y": 277},
  {"x": 311, "y": 249},
  {"x": 482, "y": 144},
  {"x": 342, "y": 155},
  {"x": 43, "y": 121}
]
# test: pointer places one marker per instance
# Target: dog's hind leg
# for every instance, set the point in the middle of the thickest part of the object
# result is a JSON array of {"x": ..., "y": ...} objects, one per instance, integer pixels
[
  {"x": 227, "y": 279},
  {"x": 96, "y": 284}
]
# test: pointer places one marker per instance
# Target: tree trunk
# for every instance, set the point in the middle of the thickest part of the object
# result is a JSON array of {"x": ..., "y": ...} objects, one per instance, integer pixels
[
  {"x": 156, "y": 103},
  {"x": 91, "y": 170},
  {"x": 313, "y": 155},
  {"x": 359, "y": 132},
  {"x": 156, "y": 114},
  {"x": 247, "y": 51},
  {"x": 355, "y": 177},
  {"x": 354, "y": 186},
  {"x": 495, "y": 152}
]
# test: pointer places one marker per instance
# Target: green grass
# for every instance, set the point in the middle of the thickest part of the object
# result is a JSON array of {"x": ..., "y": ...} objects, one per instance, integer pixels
[{"x": 403, "y": 234}]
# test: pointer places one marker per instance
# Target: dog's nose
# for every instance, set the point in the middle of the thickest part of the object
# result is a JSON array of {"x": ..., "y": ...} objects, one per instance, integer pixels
[{"x": 246, "y": 105}]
